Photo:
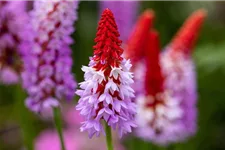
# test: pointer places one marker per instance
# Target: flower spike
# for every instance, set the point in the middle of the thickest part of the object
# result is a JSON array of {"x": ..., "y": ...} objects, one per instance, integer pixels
[
  {"x": 158, "y": 112},
  {"x": 179, "y": 72},
  {"x": 47, "y": 75},
  {"x": 106, "y": 93},
  {"x": 186, "y": 37},
  {"x": 167, "y": 107}
]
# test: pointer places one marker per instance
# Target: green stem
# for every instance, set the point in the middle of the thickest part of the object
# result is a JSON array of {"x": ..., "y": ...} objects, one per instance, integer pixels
[
  {"x": 24, "y": 118},
  {"x": 58, "y": 125},
  {"x": 108, "y": 137}
]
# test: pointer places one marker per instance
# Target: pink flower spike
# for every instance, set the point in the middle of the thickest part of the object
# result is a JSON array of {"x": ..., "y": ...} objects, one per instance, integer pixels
[{"x": 106, "y": 93}]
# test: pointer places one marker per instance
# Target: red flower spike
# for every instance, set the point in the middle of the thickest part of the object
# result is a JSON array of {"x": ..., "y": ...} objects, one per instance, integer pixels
[
  {"x": 106, "y": 94},
  {"x": 153, "y": 79},
  {"x": 187, "y": 35},
  {"x": 107, "y": 50},
  {"x": 137, "y": 40}
]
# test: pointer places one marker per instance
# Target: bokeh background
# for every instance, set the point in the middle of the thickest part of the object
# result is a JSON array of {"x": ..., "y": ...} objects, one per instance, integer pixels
[{"x": 209, "y": 57}]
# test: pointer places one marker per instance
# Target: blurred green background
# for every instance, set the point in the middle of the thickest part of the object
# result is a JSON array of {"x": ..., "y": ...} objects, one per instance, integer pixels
[{"x": 209, "y": 56}]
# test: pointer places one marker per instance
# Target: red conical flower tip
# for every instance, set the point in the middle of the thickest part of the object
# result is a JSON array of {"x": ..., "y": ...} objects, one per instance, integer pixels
[
  {"x": 107, "y": 50},
  {"x": 186, "y": 37},
  {"x": 153, "y": 79},
  {"x": 137, "y": 40}
]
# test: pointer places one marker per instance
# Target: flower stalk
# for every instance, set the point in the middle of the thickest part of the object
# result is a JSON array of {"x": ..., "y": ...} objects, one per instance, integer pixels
[
  {"x": 24, "y": 118},
  {"x": 58, "y": 125},
  {"x": 108, "y": 137}
]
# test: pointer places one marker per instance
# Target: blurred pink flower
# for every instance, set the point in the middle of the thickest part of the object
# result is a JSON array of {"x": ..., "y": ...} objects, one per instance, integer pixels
[
  {"x": 47, "y": 75},
  {"x": 49, "y": 140},
  {"x": 72, "y": 118}
]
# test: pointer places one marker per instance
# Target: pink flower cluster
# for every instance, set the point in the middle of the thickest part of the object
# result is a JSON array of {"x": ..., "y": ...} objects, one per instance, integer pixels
[{"x": 47, "y": 73}]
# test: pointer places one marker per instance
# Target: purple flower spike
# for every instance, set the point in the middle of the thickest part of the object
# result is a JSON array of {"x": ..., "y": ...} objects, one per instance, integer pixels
[
  {"x": 170, "y": 115},
  {"x": 159, "y": 113},
  {"x": 13, "y": 20},
  {"x": 47, "y": 76},
  {"x": 179, "y": 70},
  {"x": 106, "y": 94}
]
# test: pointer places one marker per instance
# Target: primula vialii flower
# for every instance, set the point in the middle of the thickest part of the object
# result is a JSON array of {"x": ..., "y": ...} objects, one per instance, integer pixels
[
  {"x": 179, "y": 71},
  {"x": 158, "y": 113},
  {"x": 106, "y": 93},
  {"x": 125, "y": 13},
  {"x": 47, "y": 75},
  {"x": 13, "y": 20},
  {"x": 167, "y": 109}
]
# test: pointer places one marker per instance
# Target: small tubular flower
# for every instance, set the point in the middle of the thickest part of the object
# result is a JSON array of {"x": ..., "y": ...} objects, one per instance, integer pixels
[
  {"x": 134, "y": 47},
  {"x": 47, "y": 76},
  {"x": 125, "y": 13},
  {"x": 158, "y": 113},
  {"x": 106, "y": 93},
  {"x": 13, "y": 20}
]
